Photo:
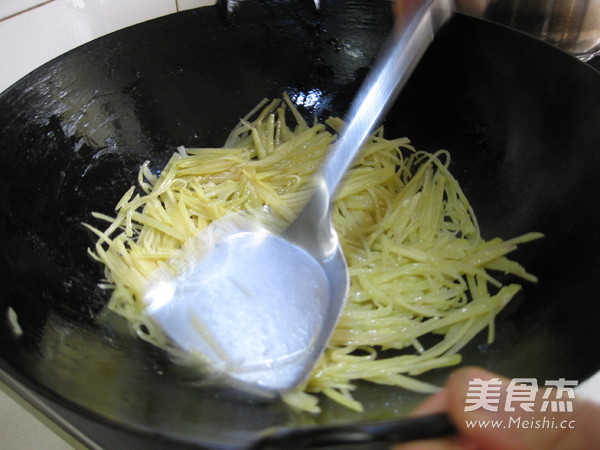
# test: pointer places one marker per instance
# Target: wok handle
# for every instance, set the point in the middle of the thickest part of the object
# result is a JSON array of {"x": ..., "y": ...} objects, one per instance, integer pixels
[{"x": 393, "y": 431}]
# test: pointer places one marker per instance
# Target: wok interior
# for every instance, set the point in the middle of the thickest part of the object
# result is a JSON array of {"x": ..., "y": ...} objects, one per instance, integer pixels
[{"x": 518, "y": 117}]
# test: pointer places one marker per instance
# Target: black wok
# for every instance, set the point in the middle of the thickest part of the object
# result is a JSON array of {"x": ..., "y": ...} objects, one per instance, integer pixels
[{"x": 520, "y": 118}]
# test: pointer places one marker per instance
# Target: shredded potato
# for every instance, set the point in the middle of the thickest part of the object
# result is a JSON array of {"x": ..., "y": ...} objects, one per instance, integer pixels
[{"x": 417, "y": 262}]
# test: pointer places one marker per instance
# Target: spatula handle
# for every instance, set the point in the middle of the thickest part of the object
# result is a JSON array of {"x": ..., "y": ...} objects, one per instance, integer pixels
[
  {"x": 393, "y": 431},
  {"x": 386, "y": 79}
]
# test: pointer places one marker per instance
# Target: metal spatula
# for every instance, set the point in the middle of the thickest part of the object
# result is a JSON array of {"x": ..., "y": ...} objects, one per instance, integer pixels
[{"x": 258, "y": 308}]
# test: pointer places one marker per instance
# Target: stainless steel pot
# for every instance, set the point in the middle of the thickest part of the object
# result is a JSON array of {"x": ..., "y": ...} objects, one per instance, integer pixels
[{"x": 571, "y": 25}]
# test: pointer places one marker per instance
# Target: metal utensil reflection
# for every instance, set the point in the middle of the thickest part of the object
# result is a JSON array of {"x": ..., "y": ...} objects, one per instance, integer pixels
[{"x": 572, "y": 26}]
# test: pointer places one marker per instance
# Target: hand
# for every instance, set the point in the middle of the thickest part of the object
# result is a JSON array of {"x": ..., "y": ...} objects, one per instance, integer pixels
[{"x": 519, "y": 429}]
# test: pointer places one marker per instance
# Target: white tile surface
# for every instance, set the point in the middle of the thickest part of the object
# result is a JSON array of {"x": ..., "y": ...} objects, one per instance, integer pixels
[
  {"x": 590, "y": 388},
  {"x": 20, "y": 430},
  {"x": 182, "y": 5},
  {"x": 30, "y": 39},
  {"x": 10, "y": 7}
]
